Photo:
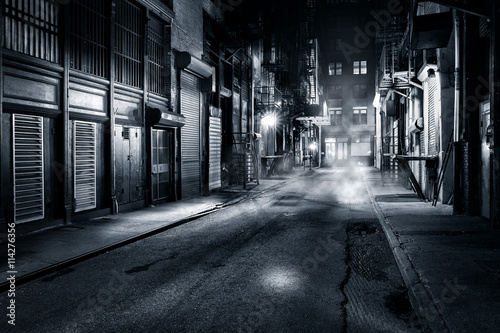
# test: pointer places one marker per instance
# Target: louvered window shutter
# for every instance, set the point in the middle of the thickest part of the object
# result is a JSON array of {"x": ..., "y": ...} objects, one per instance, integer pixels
[
  {"x": 84, "y": 166},
  {"x": 28, "y": 168}
]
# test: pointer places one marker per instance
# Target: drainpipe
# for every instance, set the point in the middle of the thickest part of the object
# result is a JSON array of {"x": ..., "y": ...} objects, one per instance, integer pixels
[
  {"x": 457, "y": 133},
  {"x": 459, "y": 197}
]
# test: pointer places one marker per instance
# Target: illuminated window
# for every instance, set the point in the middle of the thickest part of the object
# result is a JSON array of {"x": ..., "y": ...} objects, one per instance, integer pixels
[
  {"x": 359, "y": 116},
  {"x": 359, "y": 67},
  {"x": 335, "y": 68}
]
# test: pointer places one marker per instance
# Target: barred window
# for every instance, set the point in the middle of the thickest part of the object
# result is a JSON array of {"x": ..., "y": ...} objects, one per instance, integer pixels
[
  {"x": 156, "y": 57},
  {"x": 128, "y": 44},
  {"x": 31, "y": 27},
  {"x": 89, "y": 35}
]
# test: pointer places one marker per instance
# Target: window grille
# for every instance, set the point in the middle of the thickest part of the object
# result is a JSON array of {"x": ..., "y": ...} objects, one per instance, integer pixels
[
  {"x": 84, "y": 165},
  {"x": 89, "y": 36},
  {"x": 128, "y": 44},
  {"x": 28, "y": 166},
  {"x": 156, "y": 57},
  {"x": 31, "y": 27}
]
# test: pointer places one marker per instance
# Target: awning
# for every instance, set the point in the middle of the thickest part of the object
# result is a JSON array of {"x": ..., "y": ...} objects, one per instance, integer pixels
[
  {"x": 432, "y": 31},
  {"x": 157, "y": 117}
]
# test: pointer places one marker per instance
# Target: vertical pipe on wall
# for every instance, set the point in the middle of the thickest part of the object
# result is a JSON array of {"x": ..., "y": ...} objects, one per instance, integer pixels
[
  {"x": 68, "y": 190},
  {"x": 495, "y": 114},
  {"x": 112, "y": 169},
  {"x": 2, "y": 172},
  {"x": 456, "y": 20}
]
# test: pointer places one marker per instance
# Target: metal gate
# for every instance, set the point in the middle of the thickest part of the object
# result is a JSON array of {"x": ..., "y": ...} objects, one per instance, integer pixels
[{"x": 190, "y": 136}]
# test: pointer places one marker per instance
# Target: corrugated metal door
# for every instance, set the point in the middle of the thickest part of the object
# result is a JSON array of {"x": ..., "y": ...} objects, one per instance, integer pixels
[
  {"x": 214, "y": 175},
  {"x": 190, "y": 136}
]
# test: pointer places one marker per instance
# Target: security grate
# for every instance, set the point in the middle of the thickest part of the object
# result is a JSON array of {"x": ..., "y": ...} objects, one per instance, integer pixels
[
  {"x": 84, "y": 166},
  {"x": 28, "y": 168}
]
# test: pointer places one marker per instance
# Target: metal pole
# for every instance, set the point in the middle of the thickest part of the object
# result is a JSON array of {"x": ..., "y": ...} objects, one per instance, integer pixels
[{"x": 495, "y": 115}]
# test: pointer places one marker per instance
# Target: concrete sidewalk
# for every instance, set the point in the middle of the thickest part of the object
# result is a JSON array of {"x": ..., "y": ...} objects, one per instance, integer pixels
[
  {"x": 450, "y": 263},
  {"x": 47, "y": 251}
]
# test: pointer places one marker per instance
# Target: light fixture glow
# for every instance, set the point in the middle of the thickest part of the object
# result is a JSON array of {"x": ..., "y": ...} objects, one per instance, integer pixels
[{"x": 269, "y": 120}]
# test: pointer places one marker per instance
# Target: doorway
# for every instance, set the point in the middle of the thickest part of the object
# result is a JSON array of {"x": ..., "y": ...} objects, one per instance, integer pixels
[{"x": 162, "y": 152}]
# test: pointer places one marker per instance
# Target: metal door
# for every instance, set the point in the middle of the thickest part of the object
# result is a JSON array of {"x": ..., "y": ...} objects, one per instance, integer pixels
[
  {"x": 190, "y": 137},
  {"x": 162, "y": 164},
  {"x": 215, "y": 151},
  {"x": 128, "y": 164},
  {"x": 485, "y": 161}
]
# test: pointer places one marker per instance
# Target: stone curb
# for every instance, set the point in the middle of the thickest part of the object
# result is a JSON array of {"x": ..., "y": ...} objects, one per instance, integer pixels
[{"x": 420, "y": 299}]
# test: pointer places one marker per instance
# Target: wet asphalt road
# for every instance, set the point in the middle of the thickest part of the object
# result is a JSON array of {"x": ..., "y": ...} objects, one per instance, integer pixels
[{"x": 306, "y": 256}]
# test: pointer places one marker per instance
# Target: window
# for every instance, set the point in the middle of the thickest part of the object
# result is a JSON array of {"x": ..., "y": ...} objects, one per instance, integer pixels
[
  {"x": 28, "y": 164},
  {"x": 32, "y": 28},
  {"x": 361, "y": 146},
  {"x": 335, "y": 68},
  {"x": 89, "y": 35},
  {"x": 335, "y": 92},
  {"x": 359, "y": 116},
  {"x": 84, "y": 165},
  {"x": 359, "y": 91},
  {"x": 335, "y": 116},
  {"x": 128, "y": 44},
  {"x": 156, "y": 56},
  {"x": 359, "y": 67},
  {"x": 335, "y": 44}
]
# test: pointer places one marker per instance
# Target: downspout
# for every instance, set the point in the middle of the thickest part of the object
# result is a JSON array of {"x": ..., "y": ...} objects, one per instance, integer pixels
[{"x": 457, "y": 133}]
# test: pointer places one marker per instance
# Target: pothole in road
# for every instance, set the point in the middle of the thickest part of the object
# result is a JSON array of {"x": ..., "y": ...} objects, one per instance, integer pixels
[{"x": 398, "y": 303}]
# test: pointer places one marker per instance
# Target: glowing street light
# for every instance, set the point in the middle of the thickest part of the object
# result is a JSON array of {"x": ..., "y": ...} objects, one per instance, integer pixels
[{"x": 269, "y": 120}]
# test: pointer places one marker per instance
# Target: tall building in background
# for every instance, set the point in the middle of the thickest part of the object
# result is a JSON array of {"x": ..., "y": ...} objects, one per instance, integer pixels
[{"x": 346, "y": 34}]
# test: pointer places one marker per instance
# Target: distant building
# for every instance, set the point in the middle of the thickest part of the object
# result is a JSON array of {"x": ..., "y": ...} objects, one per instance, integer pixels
[{"x": 348, "y": 66}]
